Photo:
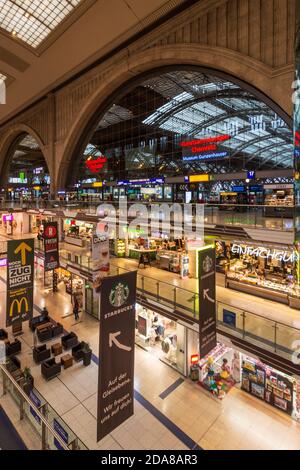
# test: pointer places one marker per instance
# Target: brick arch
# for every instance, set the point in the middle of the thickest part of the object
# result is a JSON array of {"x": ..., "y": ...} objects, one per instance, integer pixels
[
  {"x": 274, "y": 85},
  {"x": 8, "y": 140}
]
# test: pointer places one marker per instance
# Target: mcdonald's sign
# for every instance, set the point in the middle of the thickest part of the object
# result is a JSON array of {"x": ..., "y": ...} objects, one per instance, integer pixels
[
  {"x": 20, "y": 271},
  {"x": 19, "y": 304}
]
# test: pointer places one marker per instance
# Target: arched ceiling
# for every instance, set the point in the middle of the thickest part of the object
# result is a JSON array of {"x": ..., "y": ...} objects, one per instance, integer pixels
[
  {"x": 37, "y": 40},
  {"x": 143, "y": 131}
]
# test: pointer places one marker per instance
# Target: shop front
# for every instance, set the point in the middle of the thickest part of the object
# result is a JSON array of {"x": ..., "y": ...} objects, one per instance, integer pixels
[
  {"x": 279, "y": 200},
  {"x": 78, "y": 232},
  {"x": 268, "y": 271},
  {"x": 224, "y": 368},
  {"x": 162, "y": 337}
]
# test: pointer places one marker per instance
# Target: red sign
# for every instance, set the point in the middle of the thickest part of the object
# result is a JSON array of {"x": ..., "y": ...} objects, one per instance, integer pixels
[
  {"x": 208, "y": 140},
  {"x": 96, "y": 165}
]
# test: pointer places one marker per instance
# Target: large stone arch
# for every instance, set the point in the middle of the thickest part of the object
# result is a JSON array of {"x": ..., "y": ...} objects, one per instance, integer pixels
[
  {"x": 274, "y": 84},
  {"x": 8, "y": 140}
]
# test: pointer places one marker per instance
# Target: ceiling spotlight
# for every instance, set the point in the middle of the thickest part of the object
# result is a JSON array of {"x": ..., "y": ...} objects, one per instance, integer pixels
[{"x": 14, "y": 33}]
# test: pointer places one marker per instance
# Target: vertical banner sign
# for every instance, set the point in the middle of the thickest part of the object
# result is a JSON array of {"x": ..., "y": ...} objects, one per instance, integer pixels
[
  {"x": 100, "y": 255},
  {"x": 207, "y": 301},
  {"x": 116, "y": 352},
  {"x": 20, "y": 265},
  {"x": 51, "y": 246}
]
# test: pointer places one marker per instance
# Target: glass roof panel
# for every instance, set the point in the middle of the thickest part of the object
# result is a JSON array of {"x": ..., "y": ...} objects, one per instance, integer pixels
[{"x": 33, "y": 20}]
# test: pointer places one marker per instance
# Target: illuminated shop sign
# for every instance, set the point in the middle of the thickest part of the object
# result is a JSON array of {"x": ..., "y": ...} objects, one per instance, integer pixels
[
  {"x": 95, "y": 165},
  {"x": 206, "y": 156},
  {"x": 192, "y": 143},
  {"x": 238, "y": 189},
  {"x": 141, "y": 182},
  {"x": 204, "y": 149},
  {"x": 279, "y": 255}
]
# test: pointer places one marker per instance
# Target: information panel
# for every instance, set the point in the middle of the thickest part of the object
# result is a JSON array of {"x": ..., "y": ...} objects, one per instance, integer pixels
[
  {"x": 207, "y": 301},
  {"x": 20, "y": 266},
  {"x": 116, "y": 352},
  {"x": 51, "y": 246}
]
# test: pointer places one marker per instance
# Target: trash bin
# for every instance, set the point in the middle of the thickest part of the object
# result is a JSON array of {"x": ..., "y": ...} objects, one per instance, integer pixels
[{"x": 194, "y": 373}]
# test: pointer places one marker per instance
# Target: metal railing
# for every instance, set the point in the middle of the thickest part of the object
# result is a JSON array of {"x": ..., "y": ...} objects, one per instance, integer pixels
[
  {"x": 272, "y": 335},
  {"x": 39, "y": 417},
  {"x": 259, "y": 216}
]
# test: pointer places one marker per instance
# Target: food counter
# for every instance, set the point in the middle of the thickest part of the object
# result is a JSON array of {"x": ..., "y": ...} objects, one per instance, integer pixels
[
  {"x": 135, "y": 252},
  {"x": 252, "y": 288},
  {"x": 74, "y": 240}
]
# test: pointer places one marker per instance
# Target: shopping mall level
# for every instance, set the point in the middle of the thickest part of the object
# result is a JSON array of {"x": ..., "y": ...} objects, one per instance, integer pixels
[{"x": 149, "y": 226}]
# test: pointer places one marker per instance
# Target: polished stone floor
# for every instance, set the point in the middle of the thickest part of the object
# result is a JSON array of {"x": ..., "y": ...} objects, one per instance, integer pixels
[{"x": 185, "y": 418}]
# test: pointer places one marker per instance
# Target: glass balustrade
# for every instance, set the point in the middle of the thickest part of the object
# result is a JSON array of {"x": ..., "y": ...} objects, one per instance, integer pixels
[{"x": 49, "y": 428}]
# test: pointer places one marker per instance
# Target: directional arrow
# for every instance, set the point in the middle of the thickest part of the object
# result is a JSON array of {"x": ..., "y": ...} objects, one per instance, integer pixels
[
  {"x": 113, "y": 339},
  {"x": 206, "y": 296},
  {"x": 23, "y": 247}
]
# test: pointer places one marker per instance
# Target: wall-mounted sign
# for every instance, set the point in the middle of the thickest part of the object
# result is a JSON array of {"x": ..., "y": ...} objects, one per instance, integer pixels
[
  {"x": 205, "y": 157},
  {"x": 96, "y": 164},
  {"x": 251, "y": 175},
  {"x": 20, "y": 264},
  {"x": 279, "y": 186},
  {"x": 261, "y": 252},
  {"x": 141, "y": 182},
  {"x": 238, "y": 189},
  {"x": 256, "y": 188},
  {"x": 198, "y": 178},
  {"x": 204, "y": 149},
  {"x": 208, "y": 140},
  {"x": 207, "y": 300},
  {"x": 51, "y": 246},
  {"x": 116, "y": 350}
]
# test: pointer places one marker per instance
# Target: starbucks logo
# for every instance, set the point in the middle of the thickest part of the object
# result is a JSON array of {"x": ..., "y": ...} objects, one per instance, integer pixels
[
  {"x": 119, "y": 295},
  {"x": 207, "y": 264}
]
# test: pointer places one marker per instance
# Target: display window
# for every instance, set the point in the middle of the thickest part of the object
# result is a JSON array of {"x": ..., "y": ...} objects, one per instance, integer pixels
[
  {"x": 219, "y": 371},
  {"x": 279, "y": 200},
  {"x": 160, "y": 336},
  {"x": 268, "y": 267},
  {"x": 276, "y": 388},
  {"x": 78, "y": 232}
]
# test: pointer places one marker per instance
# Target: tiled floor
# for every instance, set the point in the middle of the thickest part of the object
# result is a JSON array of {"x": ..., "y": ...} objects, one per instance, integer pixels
[{"x": 240, "y": 421}]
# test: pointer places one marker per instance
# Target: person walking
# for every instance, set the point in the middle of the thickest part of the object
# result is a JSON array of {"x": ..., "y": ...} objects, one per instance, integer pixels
[{"x": 76, "y": 308}]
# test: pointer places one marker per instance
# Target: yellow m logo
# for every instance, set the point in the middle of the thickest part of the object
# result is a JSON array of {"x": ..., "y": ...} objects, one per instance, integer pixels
[{"x": 19, "y": 304}]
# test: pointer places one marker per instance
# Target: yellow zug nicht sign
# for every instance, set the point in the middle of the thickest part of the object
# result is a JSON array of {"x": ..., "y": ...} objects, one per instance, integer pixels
[{"x": 20, "y": 279}]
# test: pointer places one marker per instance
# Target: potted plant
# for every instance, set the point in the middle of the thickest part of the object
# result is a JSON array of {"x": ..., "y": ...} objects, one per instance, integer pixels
[
  {"x": 28, "y": 380},
  {"x": 86, "y": 354}
]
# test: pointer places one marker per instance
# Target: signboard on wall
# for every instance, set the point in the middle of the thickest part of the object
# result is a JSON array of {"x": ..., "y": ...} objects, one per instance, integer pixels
[
  {"x": 51, "y": 246},
  {"x": 207, "y": 301},
  {"x": 20, "y": 266},
  {"x": 116, "y": 369}
]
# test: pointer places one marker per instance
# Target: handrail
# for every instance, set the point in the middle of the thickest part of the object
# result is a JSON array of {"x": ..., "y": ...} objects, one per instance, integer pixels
[
  {"x": 192, "y": 293},
  {"x": 36, "y": 410}
]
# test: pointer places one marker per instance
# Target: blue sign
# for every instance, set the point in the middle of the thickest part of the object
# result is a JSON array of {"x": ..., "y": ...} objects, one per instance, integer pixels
[
  {"x": 62, "y": 433},
  {"x": 229, "y": 318},
  {"x": 256, "y": 188},
  {"x": 238, "y": 189},
  {"x": 205, "y": 156},
  {"x": 35, "y": 399},
  {"x": 251, "y": 175}
]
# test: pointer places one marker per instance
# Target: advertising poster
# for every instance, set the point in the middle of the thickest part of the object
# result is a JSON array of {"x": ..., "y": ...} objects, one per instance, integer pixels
[
  {"x": 207, "y": 301},
  {"x": 100, "y": 255},
  {"x": 116, "y": 370},
  {"x": 20, "y": 266},
  {"x": 51, "y": 246}
]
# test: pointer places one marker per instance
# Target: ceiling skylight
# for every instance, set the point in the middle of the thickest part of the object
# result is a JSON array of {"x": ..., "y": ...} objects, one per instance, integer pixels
[{"x": 33, "y": 20}]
